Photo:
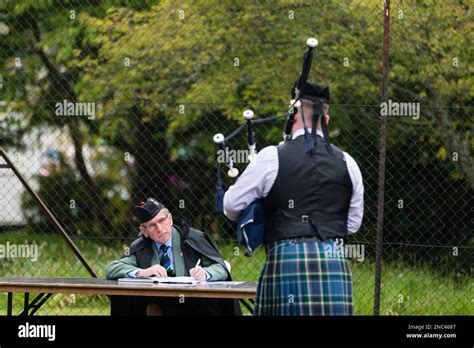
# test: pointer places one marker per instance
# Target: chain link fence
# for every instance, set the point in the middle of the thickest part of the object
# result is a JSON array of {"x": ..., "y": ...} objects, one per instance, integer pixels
[{"x": 106, "y": 103}]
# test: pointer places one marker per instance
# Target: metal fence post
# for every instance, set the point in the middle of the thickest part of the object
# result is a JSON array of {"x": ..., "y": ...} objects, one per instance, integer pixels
[{"x": 381, "y": 170}]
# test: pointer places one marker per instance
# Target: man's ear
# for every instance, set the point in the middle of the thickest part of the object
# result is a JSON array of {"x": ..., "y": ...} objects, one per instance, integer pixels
[
  {"x": 327, "y": 119},
  {"x": 142, "y": 231}
]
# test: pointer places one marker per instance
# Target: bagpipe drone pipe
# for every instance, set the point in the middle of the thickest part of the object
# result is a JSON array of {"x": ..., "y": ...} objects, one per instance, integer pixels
[{"x": 251, "y": 222}]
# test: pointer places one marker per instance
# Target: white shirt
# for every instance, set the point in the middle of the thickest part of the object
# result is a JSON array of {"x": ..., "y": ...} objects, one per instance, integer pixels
[{"x": 258, "y": 178}]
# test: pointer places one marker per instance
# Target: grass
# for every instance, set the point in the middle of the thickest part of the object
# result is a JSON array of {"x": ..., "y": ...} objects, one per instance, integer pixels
[{"x": 405, "y": 290}]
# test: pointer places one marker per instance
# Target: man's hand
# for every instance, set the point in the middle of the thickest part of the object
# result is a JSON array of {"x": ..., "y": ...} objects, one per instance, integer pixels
[
  {"x": 198, "y": 273},
  {"x": 153, "y": 271}
]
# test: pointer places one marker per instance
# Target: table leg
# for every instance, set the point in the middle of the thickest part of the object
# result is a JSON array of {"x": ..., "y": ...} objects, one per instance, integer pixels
[
  {"x": 31, "y": 308},
  {"x": 26, "y": 303},
  {"x": 10, "y": 304},
  {"x": 248, "y": 306},
  {"x": 38, "y": 306}
]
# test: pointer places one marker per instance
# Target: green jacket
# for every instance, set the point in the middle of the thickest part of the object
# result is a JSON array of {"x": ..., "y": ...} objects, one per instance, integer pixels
[{"x": 128, "y": 263}]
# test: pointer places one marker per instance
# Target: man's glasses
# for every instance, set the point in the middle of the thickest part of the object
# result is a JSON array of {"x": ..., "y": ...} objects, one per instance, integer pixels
[{"x": 156, "y": 223}]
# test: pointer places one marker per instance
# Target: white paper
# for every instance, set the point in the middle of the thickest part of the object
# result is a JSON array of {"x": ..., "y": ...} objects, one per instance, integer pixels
[
  {"x": 179, "y": 280},
  {"x": 168, "y": 280},
  {"x": 225, "y": 282}
]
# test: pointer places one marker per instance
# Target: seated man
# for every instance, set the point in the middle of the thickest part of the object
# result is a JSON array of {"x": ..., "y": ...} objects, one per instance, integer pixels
[{"x": 165, "y": 249}]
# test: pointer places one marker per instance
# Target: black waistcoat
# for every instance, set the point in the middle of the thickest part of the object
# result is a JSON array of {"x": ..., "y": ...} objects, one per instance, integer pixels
[{"x": 310, "y": 196}]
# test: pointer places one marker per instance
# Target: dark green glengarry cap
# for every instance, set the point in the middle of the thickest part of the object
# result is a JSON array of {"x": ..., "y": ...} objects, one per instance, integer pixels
[
  {"x": 147, "y": 210},
  {"x": 312, "y": 91}
]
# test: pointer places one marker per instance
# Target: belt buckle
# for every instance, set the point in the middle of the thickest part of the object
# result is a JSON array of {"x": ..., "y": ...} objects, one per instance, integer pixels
[{"x": 305, "y": 219}]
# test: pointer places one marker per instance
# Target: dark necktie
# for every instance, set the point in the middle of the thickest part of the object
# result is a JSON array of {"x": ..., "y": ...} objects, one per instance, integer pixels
[{"x": 165, "y": 260}]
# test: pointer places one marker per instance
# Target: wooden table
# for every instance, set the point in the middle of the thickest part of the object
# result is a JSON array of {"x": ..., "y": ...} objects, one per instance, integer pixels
[{"x": 46, "y": 287}]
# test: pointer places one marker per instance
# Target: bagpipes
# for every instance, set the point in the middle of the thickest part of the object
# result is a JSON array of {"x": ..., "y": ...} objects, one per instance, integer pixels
[{"x": 250, "y": 226}]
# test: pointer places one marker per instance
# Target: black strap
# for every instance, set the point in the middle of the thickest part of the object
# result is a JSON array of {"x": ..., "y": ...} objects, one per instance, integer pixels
[
  {"x": 326, "y": 135},
  {"x": 319, "y": 114},
  {"x": 316, "y": 115},
  {"x": 308, "y": 141},
  {"x": 219, "y": 194}
]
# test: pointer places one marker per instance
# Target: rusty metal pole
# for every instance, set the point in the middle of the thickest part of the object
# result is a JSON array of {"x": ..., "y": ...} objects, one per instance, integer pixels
[
  {"x": 382, "y": 143},
  {"x": 9, "y": 164}
]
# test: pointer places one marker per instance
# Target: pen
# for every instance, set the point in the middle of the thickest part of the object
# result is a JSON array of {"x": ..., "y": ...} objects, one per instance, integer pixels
[{"x": 197, "y": 263}]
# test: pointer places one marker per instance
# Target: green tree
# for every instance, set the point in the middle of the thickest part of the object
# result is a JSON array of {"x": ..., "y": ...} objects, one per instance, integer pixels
[{"x": 39, "y": 41}]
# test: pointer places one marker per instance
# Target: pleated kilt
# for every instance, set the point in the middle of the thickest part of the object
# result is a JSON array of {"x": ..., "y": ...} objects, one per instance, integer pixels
[{"x": 299, "y": 278}]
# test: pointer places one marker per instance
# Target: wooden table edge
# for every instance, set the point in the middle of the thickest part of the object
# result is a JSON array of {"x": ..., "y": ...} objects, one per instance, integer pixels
[{"x": 125, "y": 290}]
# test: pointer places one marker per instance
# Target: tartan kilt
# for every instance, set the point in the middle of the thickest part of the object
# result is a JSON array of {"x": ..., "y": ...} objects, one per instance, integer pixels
[{"x": 299, "y": 278}]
